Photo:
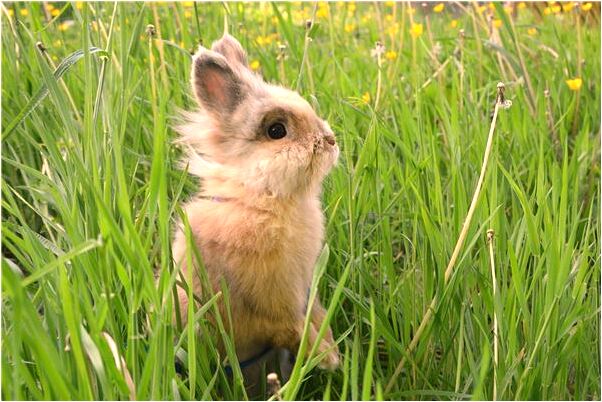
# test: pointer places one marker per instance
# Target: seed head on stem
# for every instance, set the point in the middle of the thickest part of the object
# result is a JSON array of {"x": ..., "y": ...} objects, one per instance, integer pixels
[
  {"x": 151, "y": 30},
  {"x": 274, "y": 386},
  {"x": 41, "y": 47}
]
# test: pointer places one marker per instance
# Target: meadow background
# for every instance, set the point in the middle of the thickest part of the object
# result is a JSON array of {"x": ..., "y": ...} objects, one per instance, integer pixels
[{"x": 91, "y": 189}]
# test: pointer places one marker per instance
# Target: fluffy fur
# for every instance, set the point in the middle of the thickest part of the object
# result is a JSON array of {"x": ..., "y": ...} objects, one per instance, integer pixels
[{"x": 257, "y": 220}]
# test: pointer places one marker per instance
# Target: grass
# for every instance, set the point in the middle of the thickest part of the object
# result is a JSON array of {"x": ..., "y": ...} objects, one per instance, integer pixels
[{"x": 91, "y": 189}]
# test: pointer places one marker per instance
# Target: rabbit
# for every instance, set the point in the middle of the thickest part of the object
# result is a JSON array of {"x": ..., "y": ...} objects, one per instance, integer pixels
[{"x": 261, "y": 153}]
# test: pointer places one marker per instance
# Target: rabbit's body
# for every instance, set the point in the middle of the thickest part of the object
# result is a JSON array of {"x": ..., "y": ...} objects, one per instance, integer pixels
[
  {"x": 265, "y": 256},
  {"x": 261, "y": 153}
]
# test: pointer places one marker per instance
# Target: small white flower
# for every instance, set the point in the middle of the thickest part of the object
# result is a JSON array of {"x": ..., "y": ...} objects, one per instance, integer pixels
[{"x": 379, "y": 50}]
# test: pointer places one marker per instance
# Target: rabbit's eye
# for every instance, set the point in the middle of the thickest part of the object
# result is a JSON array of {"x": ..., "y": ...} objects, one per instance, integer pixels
[{"x": 277, "y": 131}]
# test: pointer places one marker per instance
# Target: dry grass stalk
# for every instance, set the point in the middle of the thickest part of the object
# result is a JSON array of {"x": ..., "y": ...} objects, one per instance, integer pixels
[
  {"x": 552, "y": 126},
  {"x": 121, "y": 365},
  {"x": 490, "y": 234},
  {"x": 501, "y": 102}
]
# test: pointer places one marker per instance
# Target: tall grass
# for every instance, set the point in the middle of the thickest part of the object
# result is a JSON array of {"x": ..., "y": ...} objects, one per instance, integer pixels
[{"x": 91, "y": 190}]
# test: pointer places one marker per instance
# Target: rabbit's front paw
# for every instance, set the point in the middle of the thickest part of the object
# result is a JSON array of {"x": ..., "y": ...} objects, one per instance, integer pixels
[{"x": 331, "y": 361}]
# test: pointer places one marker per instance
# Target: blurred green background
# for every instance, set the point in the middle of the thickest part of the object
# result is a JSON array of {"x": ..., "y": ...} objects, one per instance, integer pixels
[{"x": 91, "y": 191}]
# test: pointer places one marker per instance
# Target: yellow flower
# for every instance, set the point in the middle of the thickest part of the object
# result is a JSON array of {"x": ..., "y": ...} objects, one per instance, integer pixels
[
  {"x": 366, "y": 97},
  {"x": 55, "y": 12},
  {"x": 453, "y": 23},
  {"x": 388, "y": 18},
  {"x": 349, "y": 28},
  {"x": 255, "y": 65},
  {"x": 274, "y": 20},
  {"x": 323, "y": 9},
  {"x": 79, "y": 5},
  {"x": 11, "y": 12},
  {"x": 188, "y": 4},
  {"x": 416, "y": 30},
  {"x": 508, "y": 9},
  {"x": 263, "y": 40},
  {"x": 532, "y": 31},
  {"x": 574, "y": 84},
  {"x": 393, "y": 29},
  {"x": 586, "y": 6},
  {"x": 351, "y": 7},
  {"x": 389, "y": 3},
  {"x": 480, "y": 9},
  {"x": 187, "y": 14},
  {"x": 497, "y": 23},
  {"x": 322, "y": 12},
  {"x": 411, "y": 10},
  {"x": 522, "y": 5},
  {"x": 568, "y": 6},
  {"x": 57, "y": 43},
  {"x": 439, "y": 7},
  {"x": 182, "y": 44},
  {"x": 297, "y": 17},
  {"x": 391, "y": 55},
  {"x": 48, "y": 7},
  {"x": 556, "y": 8},
  {"x": 24, "y": 12},
  {"x": 64, "y": 26},
  {"x": 547, "y": 11}
]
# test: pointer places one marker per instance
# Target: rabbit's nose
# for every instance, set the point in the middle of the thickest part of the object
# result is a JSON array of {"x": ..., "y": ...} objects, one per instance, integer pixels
[{"x": 329, "y": 138}]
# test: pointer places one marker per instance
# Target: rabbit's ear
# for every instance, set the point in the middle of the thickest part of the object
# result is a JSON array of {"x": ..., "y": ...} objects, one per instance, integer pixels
[
  {"x": 231, "y": 49},
  {"x": 217, "y": 86}
]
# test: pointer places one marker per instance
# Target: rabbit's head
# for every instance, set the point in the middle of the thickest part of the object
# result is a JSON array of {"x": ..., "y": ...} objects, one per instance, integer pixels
[{"x": 251, "y": 137}]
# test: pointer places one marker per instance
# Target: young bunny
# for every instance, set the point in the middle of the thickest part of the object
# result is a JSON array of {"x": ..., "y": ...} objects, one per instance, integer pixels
[{"x": 261, "y": 153}]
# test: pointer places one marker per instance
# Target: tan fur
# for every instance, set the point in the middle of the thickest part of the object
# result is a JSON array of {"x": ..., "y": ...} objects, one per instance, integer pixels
[{"x": 263, "y": 233}]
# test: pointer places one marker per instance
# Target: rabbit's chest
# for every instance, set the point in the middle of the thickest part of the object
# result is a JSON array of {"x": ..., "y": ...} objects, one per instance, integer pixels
[
  {"x": 269, "y": 262},
  {"x": 286, "y": 255}
]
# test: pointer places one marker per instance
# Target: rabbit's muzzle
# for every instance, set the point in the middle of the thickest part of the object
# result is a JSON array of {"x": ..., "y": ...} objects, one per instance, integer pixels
[{"x": 329, "y": 138}]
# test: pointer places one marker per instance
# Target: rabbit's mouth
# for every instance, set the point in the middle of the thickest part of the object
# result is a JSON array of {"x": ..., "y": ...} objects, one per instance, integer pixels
[
  {"x": 324, "y": 156},
  {"x": 324, "y": 145}
]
